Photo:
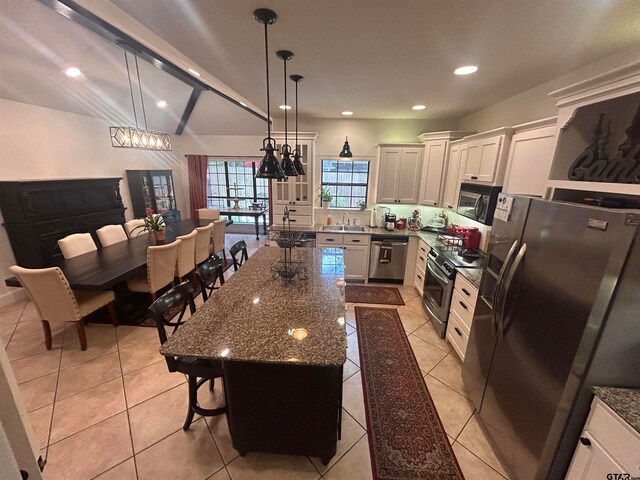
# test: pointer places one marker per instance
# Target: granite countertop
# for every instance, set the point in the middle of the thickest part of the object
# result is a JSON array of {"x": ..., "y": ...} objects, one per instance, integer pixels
[
  {"x": 256, "y": 318},
  {"x": 624, "y": 401},
  {"x": 474, "y": 275},
  {"x": 428, "y": 237}
]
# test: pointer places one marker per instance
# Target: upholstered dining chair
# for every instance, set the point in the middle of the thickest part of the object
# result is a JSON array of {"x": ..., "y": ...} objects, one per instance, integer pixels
[
  {"x": 110, "y": 234},
  {"x": 208, "y": 274},
  {"x": 198, "y": 371},
  {"x": 186, "y": 256},
  {"x": 50, "y": 292},
  {"x": 208, "y": 214},
  {"x": 134, "y": 227},
  {"x": 219, "y": 229},
  {"x": 203, "y": 243},
  {"x": 161, "y": 267},
  {"x": 76, "y": 244},
  {"x": 239, "y": 248}
]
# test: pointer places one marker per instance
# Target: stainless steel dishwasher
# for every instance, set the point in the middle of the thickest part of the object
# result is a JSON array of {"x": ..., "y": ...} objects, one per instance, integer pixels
[{"x": 387, "y": 258}]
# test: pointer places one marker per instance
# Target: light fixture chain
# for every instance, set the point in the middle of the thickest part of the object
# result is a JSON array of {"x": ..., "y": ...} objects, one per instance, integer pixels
[
  {"x": 133, "y": 103},
  {"x": 144, "y": 113},
  {"x": 296, "y": 146},
  {"x": 286, "y": 105},
  {"x": 266, "y": 51}
]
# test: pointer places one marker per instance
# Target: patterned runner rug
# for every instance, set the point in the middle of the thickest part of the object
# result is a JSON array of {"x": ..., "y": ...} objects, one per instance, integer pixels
[
  {"x": 379, "y": 295},
  {"x": 406, "y": 438}
]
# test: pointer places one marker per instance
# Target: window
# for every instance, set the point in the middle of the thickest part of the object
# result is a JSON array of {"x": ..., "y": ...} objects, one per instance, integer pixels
[
  {"x": 221, "y": 177},
  {"x": 346, "y": 180}
]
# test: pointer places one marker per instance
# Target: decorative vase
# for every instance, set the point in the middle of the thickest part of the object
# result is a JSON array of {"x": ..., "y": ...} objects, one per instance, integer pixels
[
  {"x": 325, "y": 204},
  {"x": 159, "y": 235}
]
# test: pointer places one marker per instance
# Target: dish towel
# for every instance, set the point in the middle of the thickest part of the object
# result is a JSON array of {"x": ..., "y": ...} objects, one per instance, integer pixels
[{"x": 385, "y": 253}]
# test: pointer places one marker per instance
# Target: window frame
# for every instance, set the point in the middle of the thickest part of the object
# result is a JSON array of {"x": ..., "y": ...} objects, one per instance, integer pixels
[{"x": 338, "y": 184}]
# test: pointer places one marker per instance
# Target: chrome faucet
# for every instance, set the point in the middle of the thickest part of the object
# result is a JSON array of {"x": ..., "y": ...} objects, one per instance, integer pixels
[{"x": 348, "y": 219}]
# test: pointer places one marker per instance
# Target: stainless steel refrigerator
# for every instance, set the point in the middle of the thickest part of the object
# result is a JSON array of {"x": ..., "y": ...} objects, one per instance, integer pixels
[{"x": 558, "y": 313}]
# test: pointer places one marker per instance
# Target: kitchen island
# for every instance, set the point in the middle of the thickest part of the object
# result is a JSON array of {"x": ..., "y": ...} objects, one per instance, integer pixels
[{"x": 282, "y": 345}]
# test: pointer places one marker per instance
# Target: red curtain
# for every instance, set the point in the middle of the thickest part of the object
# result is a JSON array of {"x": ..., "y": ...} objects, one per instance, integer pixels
[{"x": 197, "y": 165}]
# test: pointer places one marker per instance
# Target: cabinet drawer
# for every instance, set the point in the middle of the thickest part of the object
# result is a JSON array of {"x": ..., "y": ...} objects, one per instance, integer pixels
[
  {"x": 457, "y": 334},
  {"x": 466, "y": 290},
  {"x": 352, "y": 239},
  {"x": 421, "y": 259},
  {"x": 297, "y": 220},
  {"x": 418, "y": 281},
  {"x": 278, "y": 210},
  {"x": 462, "y": 308},
  {"x": 614, "y": 435},
  {"x": 329, "y": 238},
  {"x": 423, "y": 248}
]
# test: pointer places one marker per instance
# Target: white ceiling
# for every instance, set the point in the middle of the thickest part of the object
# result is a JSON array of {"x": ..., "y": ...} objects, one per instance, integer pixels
[
  {"x": 37, "y": 45},
  {"x": 378, "y": 58}
]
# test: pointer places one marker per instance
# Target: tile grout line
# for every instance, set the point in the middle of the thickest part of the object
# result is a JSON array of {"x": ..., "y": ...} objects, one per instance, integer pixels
[
  {"x": 468, "y": 450},
  {"x": 53, "y": 405}
]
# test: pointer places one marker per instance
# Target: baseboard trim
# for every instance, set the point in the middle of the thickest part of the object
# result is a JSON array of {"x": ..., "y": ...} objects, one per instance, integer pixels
[{"x": 13, "y": 296}]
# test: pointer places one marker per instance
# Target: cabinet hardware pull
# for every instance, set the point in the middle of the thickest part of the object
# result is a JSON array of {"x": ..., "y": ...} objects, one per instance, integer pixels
[
  {"x": 421, "y": 258},
  {"x": 292, "y": 220},
  {"x": 355, "y": 241},
  {"x": 585, "y": 441},
  {"x": 419, "y": 276},
  {"x": 473, "y": 177},
  {"x": 457, "y": 331},
  {"x": 421, "y": 248},
  {"x": 463, "y": 305},
  {"x": 449, "y": 206},
  {"x": 329, "y": 239},
  {"x": 292, "y": 210},
  {"x": 464, "y": 290}
]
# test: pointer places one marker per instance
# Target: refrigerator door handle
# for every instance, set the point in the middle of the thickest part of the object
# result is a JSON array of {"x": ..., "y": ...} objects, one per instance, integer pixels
[
  {"x": 502, "y": 327},
  {"x": 498, "y": 290}
]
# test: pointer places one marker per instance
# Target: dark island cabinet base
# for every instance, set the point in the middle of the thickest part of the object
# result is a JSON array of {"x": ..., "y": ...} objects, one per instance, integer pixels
[{"x": 287, "y": 409}]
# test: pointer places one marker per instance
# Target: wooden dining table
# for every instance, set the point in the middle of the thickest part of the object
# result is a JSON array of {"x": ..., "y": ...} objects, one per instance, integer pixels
[{"x": 106, "y": 267}]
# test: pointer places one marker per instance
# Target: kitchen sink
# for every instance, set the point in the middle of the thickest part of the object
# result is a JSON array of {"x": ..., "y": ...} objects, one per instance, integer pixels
[
  {"x": 354, "y": 228},
  {"x": 344, "y": 228},
  {"x": 333, "y": 228}
]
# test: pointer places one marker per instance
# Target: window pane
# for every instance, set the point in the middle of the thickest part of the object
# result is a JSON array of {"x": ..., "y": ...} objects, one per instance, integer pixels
[{"x": 346, "y": 180}]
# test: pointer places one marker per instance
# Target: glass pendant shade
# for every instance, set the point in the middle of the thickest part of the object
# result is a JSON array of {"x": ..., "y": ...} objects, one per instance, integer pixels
[
  {"x": 346, "y": 150},
  {"x": 269, "y": 165},
  {"x": 298, "y": 163},
  {"x": 288, "y": 167}
]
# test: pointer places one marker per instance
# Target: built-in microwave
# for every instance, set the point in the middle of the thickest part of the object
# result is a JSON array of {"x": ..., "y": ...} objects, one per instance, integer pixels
[{"x": 478, "y": 202}]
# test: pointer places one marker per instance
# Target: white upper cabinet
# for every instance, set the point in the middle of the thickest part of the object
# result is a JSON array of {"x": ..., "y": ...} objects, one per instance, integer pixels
[
  {"x": 296, "y": 190},
  {"x": 450, "y": 198},
  {"x": 399, "y": 174},
  {"x": 432, "y": 168},
  {"x": 530, "y": 158},
  {"x": 482, "y": 160}
]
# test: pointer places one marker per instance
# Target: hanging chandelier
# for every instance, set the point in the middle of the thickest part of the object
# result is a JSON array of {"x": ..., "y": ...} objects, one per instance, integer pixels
[
  {"x": 135, "y": 137},
  {"x": 288, "y": 167},
  {"x": 269, "y": 165},
  {"x": 345, "y": 153},
  {"x": 296, "y": 151}
]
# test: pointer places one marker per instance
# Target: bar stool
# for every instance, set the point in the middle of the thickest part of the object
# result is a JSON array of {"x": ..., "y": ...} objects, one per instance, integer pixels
[
  {"x": 239, "y": 247},
  {"x": 208, "y": 273},
  {"x": 198, "y": 371}
]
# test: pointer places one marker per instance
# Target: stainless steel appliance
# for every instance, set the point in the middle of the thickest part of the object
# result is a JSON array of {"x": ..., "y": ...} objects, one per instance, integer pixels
[
  {"x": 438, "y": 282},
  {"x": 558, "y": 314},
  {"x": 388, "y": 257},
  {"x": 478, "y": 202}
]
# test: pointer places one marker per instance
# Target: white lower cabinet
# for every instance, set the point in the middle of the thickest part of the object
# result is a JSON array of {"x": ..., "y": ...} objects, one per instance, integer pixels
[
  {"x": 463, "y": 304},
  {"x": 356, "y": 252},
  {"x": 608, "y": 447}
]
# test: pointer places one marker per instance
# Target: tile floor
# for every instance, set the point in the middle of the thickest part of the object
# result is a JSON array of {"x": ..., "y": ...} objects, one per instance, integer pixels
[{"x": 115, "y": 412}]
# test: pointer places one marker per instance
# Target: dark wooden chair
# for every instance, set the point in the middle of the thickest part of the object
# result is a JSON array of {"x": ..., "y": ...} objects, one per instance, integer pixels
[
  {"x": 239, "y": 248},
  {"x": 208, "y": 274},
  {"x": 198, "y": 371}
]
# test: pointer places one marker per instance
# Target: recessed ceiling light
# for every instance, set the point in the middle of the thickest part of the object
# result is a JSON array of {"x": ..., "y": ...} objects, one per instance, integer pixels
[
  {"x": 243, "y": 104},
  {"x": 73, "y": 72},
  {"x": 193, "y": 72},
  {"x": 284, "y": 107},
  {"x": 347, "y": 113},
  {"x": 418, "y": 107},
  {"x": 161, "y": 104},
  {"x": 466, "y": 70}
]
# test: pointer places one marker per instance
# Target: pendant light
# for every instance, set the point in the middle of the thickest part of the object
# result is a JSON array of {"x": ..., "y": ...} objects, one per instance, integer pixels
[
  {"x": 135, "y": 137},
  {"x": 287, "y": 164},
  {"x": 269, "y": 166},
  {"x": 345, "y": 153},
  {"x": 296, "y": 151}
]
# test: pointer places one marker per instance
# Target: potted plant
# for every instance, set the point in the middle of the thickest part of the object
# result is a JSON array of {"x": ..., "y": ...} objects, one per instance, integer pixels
[
  {"x": 361, "y": 204},
  {"x": 325, "y": 197},
  {"x": 153, "y": 223}
]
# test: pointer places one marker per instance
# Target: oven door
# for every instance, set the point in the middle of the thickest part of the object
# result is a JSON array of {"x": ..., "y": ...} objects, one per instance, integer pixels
[
  {"x": 473, "y": 205},
  {"x": 436, "y": 296}
]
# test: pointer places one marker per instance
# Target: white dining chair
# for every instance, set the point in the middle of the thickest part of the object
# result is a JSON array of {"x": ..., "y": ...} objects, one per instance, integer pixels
[
  {"x": 110, "y": 234},
  {"x": 50, "y": 292},
  {"x": 185, "y": 264},
  {"x": 161, "y": 267},
  {"x": 76, "y": 244},
  {"x": 208, "y": 213},
  {"x": 203, "y": 243},
  {"x": 131, "y": 227}
]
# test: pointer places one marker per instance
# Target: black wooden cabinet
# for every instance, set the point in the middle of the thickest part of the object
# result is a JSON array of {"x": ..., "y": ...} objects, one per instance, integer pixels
[
  {"x": 38, "y": 213},
  {"x": 153, "y": 189}
]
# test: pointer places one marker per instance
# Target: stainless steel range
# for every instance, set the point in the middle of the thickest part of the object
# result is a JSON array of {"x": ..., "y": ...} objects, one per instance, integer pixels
[{"x": 438, "y": 282}]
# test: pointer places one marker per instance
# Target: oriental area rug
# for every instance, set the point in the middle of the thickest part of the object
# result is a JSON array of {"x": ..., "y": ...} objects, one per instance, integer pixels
[
  {"x": 406, "y": 437},
  {"x": 379, "y": 295}
]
